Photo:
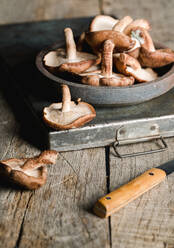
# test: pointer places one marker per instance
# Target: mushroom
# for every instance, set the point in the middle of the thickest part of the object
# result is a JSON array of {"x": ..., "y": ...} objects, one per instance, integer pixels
[
  {"x": 131, "y": 67},
  {"x": 149, "y": 56},
  {"x": 69, "y": 59},
  {"x": 157, "y": 58},
  {"x": 68, "y": 114},
  {"x": 121, "y": 41},
  {"x": 105, "y": 76},
  {"x": 122, "y": 24},
  {"x": 142, "y": 39},
  {"x": 102, "y": 22},
  {"x": 29, "y": 173},
  {"x": 137, "y": 23}
]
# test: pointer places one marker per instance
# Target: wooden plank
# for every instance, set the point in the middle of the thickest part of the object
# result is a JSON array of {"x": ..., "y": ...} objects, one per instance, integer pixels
[
  {"x": 158, "y": 12},
  {"x": 59, "y": 214},
  {"x": 148, "y": 221},
  {"x": 11, "y": 208},
  {"x": 26, "y": 11}
]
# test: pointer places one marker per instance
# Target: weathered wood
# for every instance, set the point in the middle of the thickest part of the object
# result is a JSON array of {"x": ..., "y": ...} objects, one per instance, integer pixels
[
  {"x": 59, "y": 214},
  {"x": 147, "y": 221},
  {"x": 158, "y": 12},
  {"x": 25, "y": 11}
]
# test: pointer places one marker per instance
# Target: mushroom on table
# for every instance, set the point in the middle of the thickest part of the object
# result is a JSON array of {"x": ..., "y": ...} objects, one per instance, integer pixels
[{"x": 30, "y": 173}]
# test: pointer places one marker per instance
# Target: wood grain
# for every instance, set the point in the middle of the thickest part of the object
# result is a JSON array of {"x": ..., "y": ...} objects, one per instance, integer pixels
[
  {"x": 63, "y": 211},
  {"x": 26, "y": 11},
  {"x": 148, "y": 221}
]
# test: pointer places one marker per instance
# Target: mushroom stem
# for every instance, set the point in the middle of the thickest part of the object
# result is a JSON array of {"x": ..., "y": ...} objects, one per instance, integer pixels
[
  {"x": 70, "y": 44},
  {"x": 66, "y": 98},
  {"x": 106, "y": 66}
]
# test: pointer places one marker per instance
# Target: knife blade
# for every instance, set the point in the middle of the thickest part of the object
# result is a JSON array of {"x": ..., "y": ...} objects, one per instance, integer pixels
[{"x": 117, "y": 199}]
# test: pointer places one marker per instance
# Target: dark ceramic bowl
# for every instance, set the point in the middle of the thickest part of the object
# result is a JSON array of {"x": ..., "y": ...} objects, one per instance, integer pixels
[{"x": 107, "y": 96}]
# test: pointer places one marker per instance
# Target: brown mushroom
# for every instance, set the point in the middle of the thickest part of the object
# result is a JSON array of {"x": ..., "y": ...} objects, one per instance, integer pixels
[
  {"x": 137, "y": 23},
  {"x": 68, "y": 114},
  {"x": 69, "y": 59},
  {"x": 106, "y": 77},
  {"x": 142, "y": 39},
  {"x": 148, "y": 55},
  {"x": 156, "y": 58},
  {"x": 121, "y": 41},
  {"x": 29, "y": 173},
  {"x": 122, "y": 24},
  {"x": 102, "y": 22},
  {"x": 131, "y": 67}
]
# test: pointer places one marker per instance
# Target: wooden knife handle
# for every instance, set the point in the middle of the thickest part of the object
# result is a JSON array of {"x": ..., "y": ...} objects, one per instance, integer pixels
[{"x": 117, "y": 199}]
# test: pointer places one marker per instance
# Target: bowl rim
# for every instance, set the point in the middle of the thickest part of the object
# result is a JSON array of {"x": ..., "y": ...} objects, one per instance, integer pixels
[{"x": 59, "y": 80}]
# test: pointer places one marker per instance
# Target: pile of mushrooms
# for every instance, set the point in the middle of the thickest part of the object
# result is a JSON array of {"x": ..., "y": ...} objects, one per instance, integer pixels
[{"x": 123, "y": 53}]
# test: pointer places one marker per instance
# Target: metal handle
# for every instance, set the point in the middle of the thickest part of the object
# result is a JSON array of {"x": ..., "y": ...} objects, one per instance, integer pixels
[{"x": 116, "y": 144}]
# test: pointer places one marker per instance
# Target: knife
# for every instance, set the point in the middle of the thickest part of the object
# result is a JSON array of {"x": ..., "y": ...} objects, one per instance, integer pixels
[{"x": 117, "y": 199}]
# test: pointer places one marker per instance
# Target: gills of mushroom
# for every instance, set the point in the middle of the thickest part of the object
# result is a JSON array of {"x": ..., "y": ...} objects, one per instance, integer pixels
[
  {"x": 29, "y": 173},
  {"x": 149, "y": 56},
  {"x": 130, "y": 30},
  {"x": 69, "y": 59},
  {"x": 121, "y": 41},
  {"x": 142, "y": 23},
  {"x": 131, "y": 67},
  {"x": 102, "y": 22},
  {"x": 68, "y": 114},
  {"x": 106, "y": 77}
]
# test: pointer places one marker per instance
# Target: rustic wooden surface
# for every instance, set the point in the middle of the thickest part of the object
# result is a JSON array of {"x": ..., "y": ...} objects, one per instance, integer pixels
[
  {"x": 59, "y": 214},
  {"x": 26, "y": 11}
]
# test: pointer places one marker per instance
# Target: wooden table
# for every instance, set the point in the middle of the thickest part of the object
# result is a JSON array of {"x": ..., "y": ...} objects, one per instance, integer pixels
[{"x": 59, "y": 214}]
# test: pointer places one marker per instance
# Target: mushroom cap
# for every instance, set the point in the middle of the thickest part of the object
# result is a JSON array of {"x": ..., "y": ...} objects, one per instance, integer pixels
[
  {"x": 137, "y": 23},
  {"x": 97, "y": 79},
  {"x": 29, "y": 173},
  {"x": 123, "y": 60},
  {"x": 78, "y": 67},
  {"x": 91, "y": 78},
  {"x": 58, "y": 60},
  {"x": 131, "y": 67},
  {"x": 102, "y": 22},
  {"x": 142, "y": 75},
  {"x": 120, "y": 40},
  {"x": 155, "y": 59},
  {"x": 78, "y": 115},
  {"x": 117, "y": 80},
  {"x": 122, "y": 24}
]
